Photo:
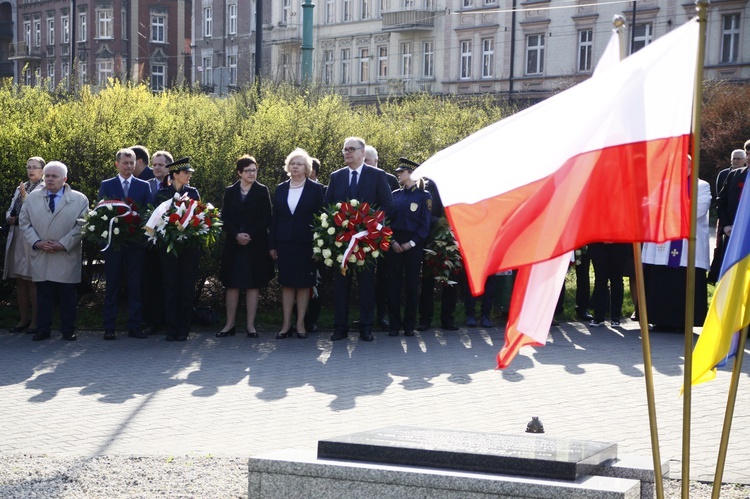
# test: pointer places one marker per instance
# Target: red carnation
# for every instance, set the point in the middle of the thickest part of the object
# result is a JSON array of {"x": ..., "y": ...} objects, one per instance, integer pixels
[
  {"x": 195, "y": 221},
  {"x": 173, "y": 218}
]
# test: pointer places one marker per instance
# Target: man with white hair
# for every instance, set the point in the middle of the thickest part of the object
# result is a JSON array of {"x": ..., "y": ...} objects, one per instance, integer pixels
[{"x": 50, "y": 221}]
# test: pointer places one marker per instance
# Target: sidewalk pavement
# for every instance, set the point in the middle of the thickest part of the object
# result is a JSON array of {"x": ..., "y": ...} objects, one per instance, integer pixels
[{"x": 238, "y": 396}]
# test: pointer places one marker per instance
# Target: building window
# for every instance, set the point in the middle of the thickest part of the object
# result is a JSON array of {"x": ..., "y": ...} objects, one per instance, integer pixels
[
  {"x": 64, "y": 73},
  {"x": 406, "y": 60},
  {"x": 27, "y": 36},
  {"x": 65, "y": 24},
  {"x": 82, "y": 26},
  {"x": 50, "y": 31},
  {"x": 51, "y": 75},
  {"x": 28, "y": 76},
  {"x": 208, "y": 21},
  {"x": 37, "y": 32},
  {"x": 364, "y": 9},
  {"x": 429, "y": 4},
  {"x": 428, "y": 62},
  {"x": 285, "y": 8},
  {"x": 534, "y": 54},
  {"x": 382, "y": 62},
  {"x": 123, "y": 24},
  {"x": 328, "y": 67},
  {"x": 585, "y": 48},
  {"x": 207, "y": 78},
  {"x": 347, "y": 11},
  {"x": 158, "y": 77},
  {"x": 286, "y": 61},
  {"x": 83, "y": 75},
  {"x": 467, "y": 3},
  {"x": 730, "y": 38},
  {"x": 232, "y": 15},
  {"x": 346, "y": 66},
  {"x": 232, "y": 65},
  {"x": 488, "y": 57},
  {"x": 104, "y": 25},
  {"x": 408, "y": 4},
  {"x": 642, "y": 36},
  {"x": 330, "y": 12},
  {"x": 105, "y": 72},
  {"x": 158, "y": 28},
  {"x": 364, "y": 65},
  {"x": 490, "y": 2},
  {"x": 465, "y": 60}
]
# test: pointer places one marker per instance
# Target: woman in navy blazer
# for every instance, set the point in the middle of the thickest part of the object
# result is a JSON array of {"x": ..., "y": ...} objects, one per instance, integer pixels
[{"x": 296, "y": 201}]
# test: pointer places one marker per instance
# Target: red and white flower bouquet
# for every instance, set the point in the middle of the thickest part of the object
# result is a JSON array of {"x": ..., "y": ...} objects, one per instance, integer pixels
[
  {"x": 181, "y": 222},
  {"x": 113, "y": 222},
  {"x": 351, "y": 235}
]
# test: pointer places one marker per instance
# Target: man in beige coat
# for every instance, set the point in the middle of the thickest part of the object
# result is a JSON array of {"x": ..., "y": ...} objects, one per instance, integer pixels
[{"x": 49, "y": 220}]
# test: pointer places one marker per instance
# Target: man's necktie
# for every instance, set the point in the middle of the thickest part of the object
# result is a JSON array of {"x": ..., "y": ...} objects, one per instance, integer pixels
[
  {"x": 353, "y": 185},
  {"x": 52, "y": 203},
  {"x": 126, "y": 187}
]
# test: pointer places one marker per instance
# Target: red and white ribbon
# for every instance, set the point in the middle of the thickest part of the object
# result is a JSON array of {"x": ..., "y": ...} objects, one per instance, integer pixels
[{"x": 114, "y": 203}]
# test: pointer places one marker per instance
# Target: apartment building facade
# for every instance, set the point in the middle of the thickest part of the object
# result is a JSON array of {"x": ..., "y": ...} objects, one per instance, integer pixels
[
  {"x": 89, "y": 41},
  {"x": 527, "y": 48}
]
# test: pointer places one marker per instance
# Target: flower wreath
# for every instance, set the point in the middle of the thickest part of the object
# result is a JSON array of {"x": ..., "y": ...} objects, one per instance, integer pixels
[
  {"x": 181, "y": 221},
  {"x": 112, "y": 222},
  {"x": 442, "y": 257},
  {"x": 350, "y": 233}
]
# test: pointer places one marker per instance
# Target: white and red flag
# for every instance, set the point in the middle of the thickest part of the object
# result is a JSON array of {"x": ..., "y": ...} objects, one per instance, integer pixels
[{"x": 605, "y": 160}]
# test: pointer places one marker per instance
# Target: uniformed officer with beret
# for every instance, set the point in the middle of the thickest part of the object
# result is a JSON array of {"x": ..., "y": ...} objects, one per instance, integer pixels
[
  {"x": 180, "y": 272},
  {"x": 410, "y": 221}
]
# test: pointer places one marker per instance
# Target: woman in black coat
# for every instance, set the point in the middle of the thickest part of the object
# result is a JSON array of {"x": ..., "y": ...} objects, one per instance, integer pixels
[
  {"x": 245, "y": 264},
  {"x": 296, "y": 201}
]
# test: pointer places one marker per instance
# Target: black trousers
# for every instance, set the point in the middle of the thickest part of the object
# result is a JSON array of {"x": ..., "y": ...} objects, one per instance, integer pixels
[
  {"x": 403, "y": 273},
  {"x": 583, "y": 283},
  {"x": 342, "y": 286},
  {"x": 180, "y": 276},
  {"x": 609, "y": 267},
  {"x": 448, "y": 300},
  {"x": 153, "y": 288},
  {"x": 46, "y": 292}
]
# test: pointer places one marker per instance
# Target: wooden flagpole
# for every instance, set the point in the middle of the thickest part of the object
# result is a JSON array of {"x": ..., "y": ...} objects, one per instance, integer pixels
[
  {"x": 701, "y": 6},
  {"x": 619, "y": 23}
]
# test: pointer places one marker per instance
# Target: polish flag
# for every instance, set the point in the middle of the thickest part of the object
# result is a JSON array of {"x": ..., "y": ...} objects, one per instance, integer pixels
[
  {"x": 602, "y": 161},
  {"x": 605, "y": 160}
]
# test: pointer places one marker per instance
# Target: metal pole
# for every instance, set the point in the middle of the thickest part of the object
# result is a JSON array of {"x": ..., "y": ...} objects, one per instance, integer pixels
[
  {"x": 619, "y": 23},
  {"x": 690, "y": 283},
  {"x": 728, "y": 414},
  {"x": 258, "y": 41},
  {"x": 307, "y": 41}
]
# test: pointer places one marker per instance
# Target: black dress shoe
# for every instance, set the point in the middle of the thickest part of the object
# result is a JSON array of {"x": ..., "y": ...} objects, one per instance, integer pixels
[
  {"x": 224, "y": 334},
  {"x": 392, "y": 332},
  {"x": 281, "y": 336},
  {"x": 70, "y": 336},
  {"x": 584, "y": 315},
  {"x": 39, "y": 336},
  {"x": 109, "y": 334},
  {"x": 135, "y": 333},
  {"x": 252, "y": 334},
  {"x": 365, "y": 336},
  {"x": 409, "y": 332},
  {"x": 449, "y": 326},
  {"x": 311, "y": 328},
  {"x": 20, "y": 329},
  {"x": 384, "y": 323},
  {"x": 339, "y": 335},
  {"x": 423, "y": 326},
  {"x": 151, "y": 330}
]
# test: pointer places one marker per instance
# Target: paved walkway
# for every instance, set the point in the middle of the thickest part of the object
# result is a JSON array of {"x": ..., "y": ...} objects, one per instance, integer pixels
[{"x": 238, "y": 396}]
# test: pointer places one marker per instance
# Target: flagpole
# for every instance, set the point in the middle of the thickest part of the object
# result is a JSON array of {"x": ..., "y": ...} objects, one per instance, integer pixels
[
  {"x": 729, "y": 414},
  {"x": 701, "y": 6},
  {"x": 619, "y": 23}
]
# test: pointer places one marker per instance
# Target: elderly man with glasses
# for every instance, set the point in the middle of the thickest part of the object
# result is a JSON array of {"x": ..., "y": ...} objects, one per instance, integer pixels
[{"x": 364, "y": 183}]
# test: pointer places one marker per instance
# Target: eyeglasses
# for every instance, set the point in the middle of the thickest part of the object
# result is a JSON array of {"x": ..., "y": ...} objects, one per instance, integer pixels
[
  {"x": 253, "y": 170},
  {"x": 33, "y": 167},
  {"x": 349, "y": 149}
]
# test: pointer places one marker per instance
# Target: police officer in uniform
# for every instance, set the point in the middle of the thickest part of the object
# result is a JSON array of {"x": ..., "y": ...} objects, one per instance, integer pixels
[
  {"x": 180, "y": 273},
  {"x": 410, "y": 221}
]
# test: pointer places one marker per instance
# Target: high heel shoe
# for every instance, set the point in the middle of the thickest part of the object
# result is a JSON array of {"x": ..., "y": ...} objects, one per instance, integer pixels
[
  {"x": 281, "y": 336},
  {"x": 252, "y": 334},
  {"x": 20, "y": 329},
  {"x": 224, "y": 334},
  {"x": 301, "y": 335}
]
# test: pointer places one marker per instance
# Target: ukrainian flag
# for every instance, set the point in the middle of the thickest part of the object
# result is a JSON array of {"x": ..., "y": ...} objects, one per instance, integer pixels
[{"x": 729, "y": 311}]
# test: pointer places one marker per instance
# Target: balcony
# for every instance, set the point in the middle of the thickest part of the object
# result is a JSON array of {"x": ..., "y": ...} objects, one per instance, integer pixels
[
  {"x": 22, "y": 51},
  {"x": 408, "y": 19}
]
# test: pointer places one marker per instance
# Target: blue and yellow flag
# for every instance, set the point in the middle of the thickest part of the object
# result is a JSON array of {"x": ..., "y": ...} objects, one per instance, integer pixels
[{"x": 729, "y": 311}]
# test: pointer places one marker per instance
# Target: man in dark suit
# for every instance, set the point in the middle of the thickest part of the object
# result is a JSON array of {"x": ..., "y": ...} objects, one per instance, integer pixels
[
  {"x": 142, "y": 160},
  {"x": 366, "y": 184},
  {"x": 126, "y": 261}
]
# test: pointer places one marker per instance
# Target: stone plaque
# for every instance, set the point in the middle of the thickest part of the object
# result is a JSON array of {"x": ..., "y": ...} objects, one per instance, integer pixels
[{"x": 526, "y": 455}]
